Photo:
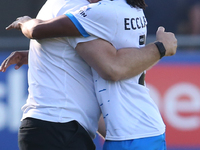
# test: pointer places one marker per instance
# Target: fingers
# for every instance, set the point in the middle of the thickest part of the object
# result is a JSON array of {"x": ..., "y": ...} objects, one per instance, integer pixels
[
  {"x": 161, "y": 29},
  {"x": 14, "y": 25},
  {"x": 14, "y": 58},
  {"x": 2, "y": 68},
  {"x": 17, "y": 22},
  {"x": 18, "y": 57},
  {"x": 23, "y": 61},
  {"x": 9, "y": 27},
  {"x": 6, "y": 63},
  {"x": 19, "y": 18}
]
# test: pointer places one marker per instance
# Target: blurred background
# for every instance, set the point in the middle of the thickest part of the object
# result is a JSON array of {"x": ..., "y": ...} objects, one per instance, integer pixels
[{"x": 174, "y": 82}]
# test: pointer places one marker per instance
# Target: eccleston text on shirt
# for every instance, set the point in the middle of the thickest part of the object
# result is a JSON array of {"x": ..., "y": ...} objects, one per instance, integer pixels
[{"x": 135, "y": 23}]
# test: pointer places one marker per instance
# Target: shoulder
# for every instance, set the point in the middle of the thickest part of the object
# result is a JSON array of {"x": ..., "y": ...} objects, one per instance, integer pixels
[
  {"x": 101, "y": 5},
  {"x": 101, "y": 10}
]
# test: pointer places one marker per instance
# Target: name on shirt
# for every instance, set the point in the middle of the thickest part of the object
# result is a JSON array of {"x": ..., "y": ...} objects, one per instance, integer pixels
[{"x": 135, "y": 23}]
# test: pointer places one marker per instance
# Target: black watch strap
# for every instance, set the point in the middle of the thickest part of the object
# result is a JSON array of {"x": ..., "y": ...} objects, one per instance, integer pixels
[{"x": 161, "y": 48}]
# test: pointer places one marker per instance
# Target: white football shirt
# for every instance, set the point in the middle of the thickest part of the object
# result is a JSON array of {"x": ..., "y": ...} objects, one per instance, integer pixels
[
  {"x": 127, "y": 107},
  {"x": 61, "y": 86}
]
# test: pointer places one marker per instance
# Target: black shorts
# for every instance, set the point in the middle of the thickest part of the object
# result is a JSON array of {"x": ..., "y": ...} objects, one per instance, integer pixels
[{"x": 37, "y": 134}]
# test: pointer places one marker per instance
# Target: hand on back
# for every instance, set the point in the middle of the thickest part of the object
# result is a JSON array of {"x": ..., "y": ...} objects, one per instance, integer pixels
[
  {"x": 18, "y": 57},
  {"x": 17, "y": 24}
]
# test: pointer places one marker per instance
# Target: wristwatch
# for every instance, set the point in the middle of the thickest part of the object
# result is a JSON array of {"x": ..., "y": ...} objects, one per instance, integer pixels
[{"x": 161, "y": 48}]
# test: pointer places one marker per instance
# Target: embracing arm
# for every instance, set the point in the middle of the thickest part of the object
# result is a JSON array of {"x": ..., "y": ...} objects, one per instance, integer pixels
[
  {"x": 109, "y": 63},
  {"x": 124, "y": 63},
  {"x": 37, "y": 29},
  {"x": 117, "y": 65}
]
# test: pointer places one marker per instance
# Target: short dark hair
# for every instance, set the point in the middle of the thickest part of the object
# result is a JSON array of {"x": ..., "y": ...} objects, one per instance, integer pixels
[{"x": 137, "y": 3}]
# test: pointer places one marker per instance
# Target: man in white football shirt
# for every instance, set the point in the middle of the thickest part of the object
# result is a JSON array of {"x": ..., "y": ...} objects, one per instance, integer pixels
[
  {"x": 123, "y": 132},
  {"x": 132, "y": 119},
  {"x": 61, "y": 112}
]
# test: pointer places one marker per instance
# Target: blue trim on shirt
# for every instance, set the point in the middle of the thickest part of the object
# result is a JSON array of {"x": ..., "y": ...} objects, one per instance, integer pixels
[{"x": 77, "y": 24}]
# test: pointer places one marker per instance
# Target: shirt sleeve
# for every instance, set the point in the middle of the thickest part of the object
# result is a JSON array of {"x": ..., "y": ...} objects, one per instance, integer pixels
[
  {"x": 98, "y": 19},
  {"x": 73, "y": 41}
]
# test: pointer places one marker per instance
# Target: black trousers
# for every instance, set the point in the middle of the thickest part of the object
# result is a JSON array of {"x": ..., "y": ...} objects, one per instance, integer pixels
[{"x": 37, "y": 134}]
